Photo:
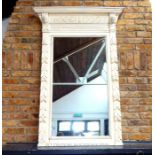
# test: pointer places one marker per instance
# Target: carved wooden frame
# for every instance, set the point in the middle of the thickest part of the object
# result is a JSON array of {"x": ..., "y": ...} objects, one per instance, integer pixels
[{"x": 78, "y": 21}]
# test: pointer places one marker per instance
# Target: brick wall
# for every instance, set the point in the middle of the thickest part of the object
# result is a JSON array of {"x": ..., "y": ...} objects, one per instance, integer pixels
[{"x": 21, "y": 68}]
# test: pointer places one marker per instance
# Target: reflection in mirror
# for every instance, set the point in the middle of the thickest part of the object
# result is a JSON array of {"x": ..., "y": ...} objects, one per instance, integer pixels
[{"x": 80, "y": 87}]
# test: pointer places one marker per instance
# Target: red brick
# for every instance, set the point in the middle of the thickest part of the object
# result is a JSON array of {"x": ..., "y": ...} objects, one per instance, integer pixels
[
  {"x": 126, "y": 34},
  {"x": 37, "y": 60},
  {"x": 10, "y": 123},
  {"x": 25, "y": 3},
  {"x": 21, "y": 73},
  {"x": 21, "y": 46},
  {"x": 30, "y": 80},
  {"x": 142, "y": 22},
  {"x": 22, "y": 9},
  {"x": 3, "y": 60},
  {"x": 144, "y": 73},
  {"x": 128, "y": 87},
  {"x": 144, "y": 3},
  {"x": 32, "y": 138},
  {"x": 129, "y": 129},
  {"x": 139, "y": 136},
  {"x": 149, "y": 28},
  {"x": 145, "y": 129},
  {"x": 143, "y": 60},
  {"x": 137, "y": 60},
  {"x": 29, "y": 109},
  {"x": 129, "y": 101},
  {"x": 125, "y": 21},
  {"x": 124, "y": 108},
  {"x": 24, "y": 34},
  {"x": 148, "y": 16},
  {"x": 144, "y": 87},
  {"x": 132, "y": 94},
  {"x": 32, "y": 130},
  {"x": 130, "y": 115},
  {"x": 112, "y": 3},
  {"x": 122, "y": 80},
  {"x": 15, "y": 131},
  {"x": 144, "y": 47},
  {"x": 22, "y": 101},
  {"x": 17, "y": 60},
  {"x": 148, "y": 9},
  {"x": 144, "y": 34},
  {"x": 134, "y": 9},
  {"x": 19, "y": 116},
  {"x": 149, "y": 60},
  {"x": 148, "y": 40},
  {"x": 145, "y": 101},
  {"x": 135, "y": 28},
  {"x": 28, "y": 123},
  {"x": 9, "y": 60},
  {"x": 146, "y": 115},
  {"x": 127, "y": 73},
  {"x": 27, "y": 60},
  {"x": 71, "y": 3},
  {"x": 11, "y": 80},
  {"x": 125, "y": 136},
  {"x": 20, "y": 139},
  {"x": 150, "y": 80},
  {"x": 138, "y": 122},
  {"x": 129, "y": 3},
  {"x": 123, "y": 64},
  {"x": 133, "y": 15},
  {"x": 130, "y": 62},
  {"x": 20, "y": 87},
  {"x": 126, "y": 46},
  {"x": 24, "y": 94},
  {"x": 93, "y": 3}
]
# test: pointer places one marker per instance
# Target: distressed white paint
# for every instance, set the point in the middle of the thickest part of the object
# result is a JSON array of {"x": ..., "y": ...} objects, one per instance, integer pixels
[{"x": 82, "y": 26}]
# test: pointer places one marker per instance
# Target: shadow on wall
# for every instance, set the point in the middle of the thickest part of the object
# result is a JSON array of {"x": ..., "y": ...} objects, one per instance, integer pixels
[
  {"x": 5, "y": 23},
  {"x": 7, "y": 9}
]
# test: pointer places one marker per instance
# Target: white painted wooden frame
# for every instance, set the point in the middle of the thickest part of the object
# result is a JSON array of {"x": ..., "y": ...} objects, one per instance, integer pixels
[{"x": 78, "y": 22}]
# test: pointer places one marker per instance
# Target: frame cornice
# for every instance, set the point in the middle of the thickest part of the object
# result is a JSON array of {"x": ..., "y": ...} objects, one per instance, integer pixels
[{"x": 77, "y": 10}]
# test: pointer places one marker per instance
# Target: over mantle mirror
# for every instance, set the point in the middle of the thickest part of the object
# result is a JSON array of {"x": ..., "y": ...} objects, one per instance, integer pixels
[{"x": 79, "y": 93}]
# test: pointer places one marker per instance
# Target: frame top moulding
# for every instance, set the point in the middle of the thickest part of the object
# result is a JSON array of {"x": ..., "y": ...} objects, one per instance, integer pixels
[{"x": 78, "y": 10}]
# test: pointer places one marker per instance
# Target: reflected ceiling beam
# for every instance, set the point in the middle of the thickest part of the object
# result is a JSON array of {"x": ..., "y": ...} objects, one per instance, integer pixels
[
  {"x": 66, "y": 60},
  {"x": 93, "y": 73},
  {"x": 80, "y": 49},
  {"x": 95, "y": 59}
]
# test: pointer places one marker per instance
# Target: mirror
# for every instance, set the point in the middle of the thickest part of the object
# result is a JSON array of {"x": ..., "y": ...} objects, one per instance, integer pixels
[{"x": 80, "y": 87}]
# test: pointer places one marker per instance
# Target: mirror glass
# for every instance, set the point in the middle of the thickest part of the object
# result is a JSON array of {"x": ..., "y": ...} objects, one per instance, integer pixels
[{"x": 80, "y": 87}]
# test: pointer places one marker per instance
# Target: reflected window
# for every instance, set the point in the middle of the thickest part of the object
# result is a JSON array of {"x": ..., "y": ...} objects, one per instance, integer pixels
[
  {"x": 64, "y": 126},
  {"x": 93, "y": 126},
  {"x": 78, "y": 126},
  {"x": 85, "y": 128}
]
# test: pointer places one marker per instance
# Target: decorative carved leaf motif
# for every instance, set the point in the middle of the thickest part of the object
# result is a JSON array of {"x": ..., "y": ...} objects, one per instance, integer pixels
[
  {"x": 115, "y": 75},
  {"x": 78, "y": 19},
  {"x": 114, "y": 67}
]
